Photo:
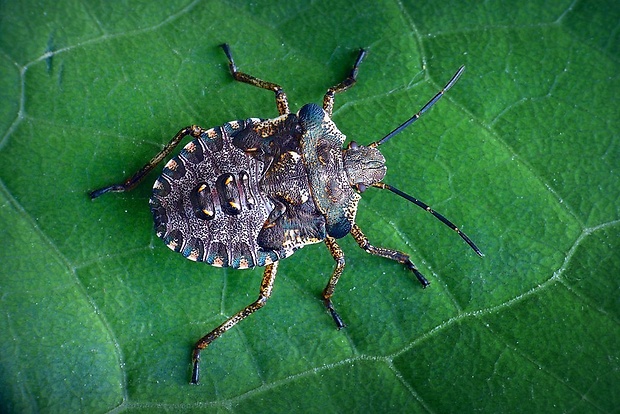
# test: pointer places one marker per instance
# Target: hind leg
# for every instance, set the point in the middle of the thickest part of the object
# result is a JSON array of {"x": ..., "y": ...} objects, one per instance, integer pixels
[{"x": 269, "y": 276}]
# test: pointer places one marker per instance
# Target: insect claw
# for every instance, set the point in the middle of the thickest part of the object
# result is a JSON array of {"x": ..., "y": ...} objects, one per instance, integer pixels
[
  {"x": 330, "y": 307},
  {"x": 423, "y": 281},
  {"x": 113, "y": 188},
  {"x": 195, "y": 367},
  {"x": 231, "y": 62}
]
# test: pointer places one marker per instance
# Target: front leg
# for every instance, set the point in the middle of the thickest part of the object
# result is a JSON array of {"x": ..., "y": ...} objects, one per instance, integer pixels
[
  {"x": 328, "y": 99},
  {"x": 396, "y": 255}
]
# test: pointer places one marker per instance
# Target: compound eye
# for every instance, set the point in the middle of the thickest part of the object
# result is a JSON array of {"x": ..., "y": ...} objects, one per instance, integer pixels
[
  {"x": 360, "y": 187},
  {"x": 352, "y": 145}
]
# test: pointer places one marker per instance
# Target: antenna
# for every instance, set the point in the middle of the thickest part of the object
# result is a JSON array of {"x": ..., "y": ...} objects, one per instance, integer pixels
[
  {"x": 406, "y": 196},
  {"x": 425, "y": 108},
  {"x": 426, "y": 207}
]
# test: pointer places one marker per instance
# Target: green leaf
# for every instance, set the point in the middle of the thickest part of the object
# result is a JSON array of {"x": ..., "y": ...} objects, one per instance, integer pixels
[{"x": 522, "y": 154}]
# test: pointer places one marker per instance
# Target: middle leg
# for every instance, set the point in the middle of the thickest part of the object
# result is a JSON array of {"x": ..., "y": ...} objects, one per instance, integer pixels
[{"x": 328, "y": 292}]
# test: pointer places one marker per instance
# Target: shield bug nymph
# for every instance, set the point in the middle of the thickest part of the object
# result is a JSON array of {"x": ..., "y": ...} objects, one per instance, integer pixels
[{"x": 251, "y": 192}]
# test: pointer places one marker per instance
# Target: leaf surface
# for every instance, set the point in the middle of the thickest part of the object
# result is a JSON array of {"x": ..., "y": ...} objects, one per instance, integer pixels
[{"x": 522, "y": 154}]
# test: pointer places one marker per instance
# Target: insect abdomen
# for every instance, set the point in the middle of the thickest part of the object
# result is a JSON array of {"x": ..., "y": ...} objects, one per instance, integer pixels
[{"x": 207, "y": 204}]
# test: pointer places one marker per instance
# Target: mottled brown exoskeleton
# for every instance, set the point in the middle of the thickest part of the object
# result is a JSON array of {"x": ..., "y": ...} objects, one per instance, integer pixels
[{"x": 251, "y": 192}]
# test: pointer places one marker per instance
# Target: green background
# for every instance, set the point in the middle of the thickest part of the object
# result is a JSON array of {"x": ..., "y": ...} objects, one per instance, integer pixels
[{"x": 97, "y": 314}]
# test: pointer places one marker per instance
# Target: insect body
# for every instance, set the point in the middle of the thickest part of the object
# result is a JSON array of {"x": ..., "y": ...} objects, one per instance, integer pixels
[{"x": 251, "y": 192}]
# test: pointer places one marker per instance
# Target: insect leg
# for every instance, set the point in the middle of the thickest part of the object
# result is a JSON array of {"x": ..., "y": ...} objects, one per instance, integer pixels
[
  {"x": 396, "y": 255},
  {"x": 338, "y": 256},
  {"x": 281, "y": 101},
  {"x": 328, "y": 99},
  {"x": 135, "y": 179},
  {"x": 266, "y": 286}
]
